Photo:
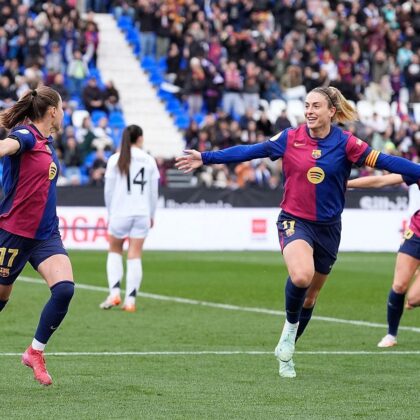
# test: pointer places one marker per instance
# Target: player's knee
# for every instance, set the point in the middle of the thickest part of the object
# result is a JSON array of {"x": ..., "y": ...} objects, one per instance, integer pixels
[
  {"x": 2, "y": 304},
  {"x": 399, "y": 287},
  {"x": 301, "y": 277},
  {"x": 63, "y": 292}
]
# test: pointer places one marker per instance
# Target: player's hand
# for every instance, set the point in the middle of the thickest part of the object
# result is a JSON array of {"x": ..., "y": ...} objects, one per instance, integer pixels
[{"x": 190, "y": 161}]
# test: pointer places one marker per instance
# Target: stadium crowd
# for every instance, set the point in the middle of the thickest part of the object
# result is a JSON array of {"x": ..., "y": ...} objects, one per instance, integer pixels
[
  {"x": 239, "y": 69},
  {"x": 233, "y": 60}
]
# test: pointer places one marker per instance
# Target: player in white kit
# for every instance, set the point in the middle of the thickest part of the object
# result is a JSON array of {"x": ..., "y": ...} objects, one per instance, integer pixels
[{"x": 131, "y": 194}]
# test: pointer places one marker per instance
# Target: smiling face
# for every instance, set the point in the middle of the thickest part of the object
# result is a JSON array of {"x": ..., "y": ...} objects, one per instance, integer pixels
[{"x": 318, "y": 112}]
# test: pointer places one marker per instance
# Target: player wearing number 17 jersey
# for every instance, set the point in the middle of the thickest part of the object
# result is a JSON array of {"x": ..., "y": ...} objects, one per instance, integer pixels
[{"x": 131, "y": 193}]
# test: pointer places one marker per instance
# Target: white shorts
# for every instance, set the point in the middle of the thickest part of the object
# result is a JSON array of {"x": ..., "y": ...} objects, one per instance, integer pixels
[{"x": 129, "y": 227}]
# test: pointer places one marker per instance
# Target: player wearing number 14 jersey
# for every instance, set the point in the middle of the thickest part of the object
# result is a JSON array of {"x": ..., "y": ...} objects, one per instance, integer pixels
[{"x": 131, "y": 193}]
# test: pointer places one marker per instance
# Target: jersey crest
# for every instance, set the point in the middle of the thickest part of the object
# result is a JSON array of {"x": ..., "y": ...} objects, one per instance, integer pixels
[{"x": 316, "y": 154}]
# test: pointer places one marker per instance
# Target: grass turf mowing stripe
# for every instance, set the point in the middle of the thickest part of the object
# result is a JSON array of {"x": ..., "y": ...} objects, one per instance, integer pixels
[{"x": 230, "y": 307}]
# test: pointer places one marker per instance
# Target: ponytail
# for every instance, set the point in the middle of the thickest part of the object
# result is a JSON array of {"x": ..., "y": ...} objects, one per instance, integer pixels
[
  {"x": 33, "y": 105},
  {"x": 344, "y": 110},
  {"x": 129, "y": 137}
]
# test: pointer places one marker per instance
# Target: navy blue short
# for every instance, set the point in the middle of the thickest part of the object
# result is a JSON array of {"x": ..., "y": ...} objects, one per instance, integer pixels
[
  {"x": 410, "y": 244},
  {"x": 16, "y": 251},
  {"x": 324, "y": 238}
]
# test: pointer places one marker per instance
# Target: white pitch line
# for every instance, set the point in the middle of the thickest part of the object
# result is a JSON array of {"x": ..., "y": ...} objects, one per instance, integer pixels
[
  {"x": 224, "y": 353},
  {"x": 231, "y": 307}
]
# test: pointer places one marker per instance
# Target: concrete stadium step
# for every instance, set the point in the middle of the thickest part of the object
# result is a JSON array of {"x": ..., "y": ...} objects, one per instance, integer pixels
[{"x": 138, "y": 98}]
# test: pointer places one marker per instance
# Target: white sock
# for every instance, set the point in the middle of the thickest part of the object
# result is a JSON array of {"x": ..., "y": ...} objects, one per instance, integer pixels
[
  {"x": 115, "y": 272},
  {"x": 134, "y": 277},
  {"x": 36, "y": 345}
]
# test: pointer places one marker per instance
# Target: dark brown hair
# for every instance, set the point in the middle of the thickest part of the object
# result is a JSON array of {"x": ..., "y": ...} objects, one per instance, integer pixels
[
  {"x": 129, "y": 137},
  {"x": 32, "y": 105}
]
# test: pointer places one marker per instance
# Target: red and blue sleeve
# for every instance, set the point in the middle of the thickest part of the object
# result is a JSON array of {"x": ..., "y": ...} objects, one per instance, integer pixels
[
  {"x": 25, "y": 138},
  {"x": 274, "y": 149},
  {"x": 360, "y": 153}
]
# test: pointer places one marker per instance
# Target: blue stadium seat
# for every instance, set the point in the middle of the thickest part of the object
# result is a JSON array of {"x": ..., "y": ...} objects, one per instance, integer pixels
[
  {"x": 96, "y": 115},
  {"x": 116, "y": 120}
]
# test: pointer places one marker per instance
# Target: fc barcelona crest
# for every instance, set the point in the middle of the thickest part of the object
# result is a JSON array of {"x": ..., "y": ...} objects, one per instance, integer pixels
[{"x": 316, "y": 154}]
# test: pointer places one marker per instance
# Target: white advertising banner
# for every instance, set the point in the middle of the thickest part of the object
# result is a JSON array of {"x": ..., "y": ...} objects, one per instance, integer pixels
[{"x": 229, "y": 229}]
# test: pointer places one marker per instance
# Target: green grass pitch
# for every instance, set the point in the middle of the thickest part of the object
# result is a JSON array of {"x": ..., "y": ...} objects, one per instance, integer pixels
[{"x": 166, "y": 361}]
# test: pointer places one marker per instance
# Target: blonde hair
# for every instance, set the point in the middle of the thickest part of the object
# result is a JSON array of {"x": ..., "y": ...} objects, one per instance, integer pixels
[{"x": 344, "y": 110}]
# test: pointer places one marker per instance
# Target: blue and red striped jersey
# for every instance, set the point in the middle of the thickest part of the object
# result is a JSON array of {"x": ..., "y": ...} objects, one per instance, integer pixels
[
  {"x": 29, "y": 185},
  {"x": 315, "y": 171}
]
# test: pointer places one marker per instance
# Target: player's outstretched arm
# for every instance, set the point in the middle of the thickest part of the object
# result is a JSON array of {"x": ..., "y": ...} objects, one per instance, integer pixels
[
  {"x": 8, "y": 147},
  {"x": 375, "y": 181},
  {"x": 190, "y": 161}
]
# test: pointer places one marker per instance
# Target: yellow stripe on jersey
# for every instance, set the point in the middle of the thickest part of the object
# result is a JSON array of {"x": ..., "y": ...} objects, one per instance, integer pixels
[{"x": 371, "y": 158}]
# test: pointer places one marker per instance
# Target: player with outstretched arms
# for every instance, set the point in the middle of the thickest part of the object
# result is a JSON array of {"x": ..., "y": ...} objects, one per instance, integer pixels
[{"x": 317, "y": 159}]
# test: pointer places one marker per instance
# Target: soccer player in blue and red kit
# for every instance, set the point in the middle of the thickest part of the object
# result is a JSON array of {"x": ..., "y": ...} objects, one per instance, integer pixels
[
  {"x": 317, "y": 160},
  {"x": 28, "y": 220},
  {"x": 408, "y": 258}
]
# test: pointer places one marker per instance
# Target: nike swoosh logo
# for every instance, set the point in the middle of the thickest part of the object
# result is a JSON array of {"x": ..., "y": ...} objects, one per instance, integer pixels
[{"x": 296, "y": 144}]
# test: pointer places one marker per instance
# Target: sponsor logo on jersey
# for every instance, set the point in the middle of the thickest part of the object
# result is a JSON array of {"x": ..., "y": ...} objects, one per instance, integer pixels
[
  {"x": 359, "y": 142},
  {"x": 316, "y": 154},
  {"x": 53, "y": 171},
  {"x": 408, "y": 234},
  {"x": 4, "y": 272},
  {"x": 297, "y": 144},
  {"x": 315, "y": 175},
  {"x": 23, "y": 131}
]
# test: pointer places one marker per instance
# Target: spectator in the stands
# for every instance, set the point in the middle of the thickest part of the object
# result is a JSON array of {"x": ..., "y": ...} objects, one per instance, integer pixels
[
  {"x": 103, "y": 136},
  {"x": 145, "y": 10},
  {"x": 282, "y": 122},
  {"x": 111, "y": 97},
  {"x": 77, "y": 67},
  {"x": 163, "y": 31},
  {"x": 85, "y": 136},
  {"x": 93, "y": 96},
  {"x": 33, "y": 74},
  {"x": 97, "y": 170},
  {"x": 72, "y": 159},
  {"x": 7, "y": 93},
  {"x": 214, "y": 88},
  {"x": 195, "y": 85},
  {"x": 232, "y": 96},
  {"x": 173, "y": 62},
  {"x": 54, "y": 63},
  {"x": 58, "y": 84},
  {"x": 251, "y": 87}
]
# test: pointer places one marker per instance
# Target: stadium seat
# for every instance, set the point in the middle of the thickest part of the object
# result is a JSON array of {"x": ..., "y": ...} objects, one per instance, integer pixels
[
  {"x": 97, "y": 115},
  {"x": 78, "y": 116},
  {"x": 382, "y": 108},
  {"x": 399, "y": 108},
  {"x": 416, "y": 112},
  {"x": 116, "y": 120},
  {"x": 295, "y": 110},
  {"x": 276, "y": 107},
  {"x": 364, "y": 109}
]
